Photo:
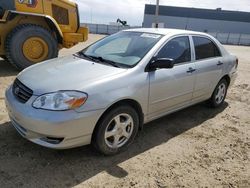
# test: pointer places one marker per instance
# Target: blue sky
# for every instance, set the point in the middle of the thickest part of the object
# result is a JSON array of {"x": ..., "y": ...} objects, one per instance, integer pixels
[{"x": 106, "y": 11}]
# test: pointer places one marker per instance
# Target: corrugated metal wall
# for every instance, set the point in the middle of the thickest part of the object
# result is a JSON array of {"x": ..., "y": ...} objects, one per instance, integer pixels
[{"x": 237, "y": 33}]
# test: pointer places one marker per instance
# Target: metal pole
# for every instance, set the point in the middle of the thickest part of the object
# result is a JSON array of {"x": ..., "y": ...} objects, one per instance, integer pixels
[
  {"x": 228, "y": 38},
  {"x": 240, "y": 39},
  {"x": 157, "y": 14}
]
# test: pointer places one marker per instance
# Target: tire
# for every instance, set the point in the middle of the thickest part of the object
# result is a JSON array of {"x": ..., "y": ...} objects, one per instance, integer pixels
[
  {"x": 108, "y": 132},
  {"x": 219, "y": 94},
  {"x": 28, "y": 44}
]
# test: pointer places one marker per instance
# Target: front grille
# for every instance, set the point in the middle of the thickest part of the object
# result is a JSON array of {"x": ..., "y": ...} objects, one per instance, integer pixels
[{"x": 21, "y": 92}]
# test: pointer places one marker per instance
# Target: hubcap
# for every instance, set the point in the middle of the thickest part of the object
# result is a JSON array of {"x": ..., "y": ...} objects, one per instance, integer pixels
[
  {"x": 119, "y": 130},
  {"x": 220, "y": 94},
  {"x": 35, "y": 49}
]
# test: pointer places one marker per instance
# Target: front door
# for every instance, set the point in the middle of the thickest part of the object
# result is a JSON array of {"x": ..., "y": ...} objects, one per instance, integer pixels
[{"x": 172, "y": 88}]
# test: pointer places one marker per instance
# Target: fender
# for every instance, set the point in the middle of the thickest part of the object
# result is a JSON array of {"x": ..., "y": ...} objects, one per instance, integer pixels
[{"x": 50, "y": 21}]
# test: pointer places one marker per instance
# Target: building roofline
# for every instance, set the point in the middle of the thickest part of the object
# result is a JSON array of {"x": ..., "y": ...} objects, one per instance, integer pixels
[{"x": 211, "y": 14}]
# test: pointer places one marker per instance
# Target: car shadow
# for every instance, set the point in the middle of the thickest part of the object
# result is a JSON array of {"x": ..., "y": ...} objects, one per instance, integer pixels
[
  {"x": 24, "y": 164},
  {"x": 6, "y": 69}
]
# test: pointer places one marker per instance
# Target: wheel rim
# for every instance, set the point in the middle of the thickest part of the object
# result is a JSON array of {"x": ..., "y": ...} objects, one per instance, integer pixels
[
  {"x": 220, "y": 93},
  {"x": 35, "y": 49},
  {"x": 119, "y": 131}
]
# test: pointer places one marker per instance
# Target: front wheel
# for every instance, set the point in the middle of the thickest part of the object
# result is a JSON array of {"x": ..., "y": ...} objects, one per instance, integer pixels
[
  {"x": 116, "y": 130},
  {"x": 219, "y": 94}
]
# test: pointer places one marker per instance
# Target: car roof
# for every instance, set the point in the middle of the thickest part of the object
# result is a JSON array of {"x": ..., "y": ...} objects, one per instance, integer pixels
[
  {"x": 174, "y": 32},
  {"x": 163, "y": 31}
]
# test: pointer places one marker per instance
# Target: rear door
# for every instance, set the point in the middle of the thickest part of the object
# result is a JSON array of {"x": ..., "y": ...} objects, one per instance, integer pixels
[
  {"x": 209, "y": 66},
  {"x": 172, "y": 88}
]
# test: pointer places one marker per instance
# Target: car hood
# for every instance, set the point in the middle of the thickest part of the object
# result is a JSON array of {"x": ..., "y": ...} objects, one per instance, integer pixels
[{"x": 67, "y": 73}]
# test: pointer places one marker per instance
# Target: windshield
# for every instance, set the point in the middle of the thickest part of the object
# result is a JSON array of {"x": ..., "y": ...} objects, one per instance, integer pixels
[{"x": 123, "y": 49}]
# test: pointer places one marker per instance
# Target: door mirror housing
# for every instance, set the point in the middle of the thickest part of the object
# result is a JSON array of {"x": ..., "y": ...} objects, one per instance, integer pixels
[{"x": 160, "y": 63}]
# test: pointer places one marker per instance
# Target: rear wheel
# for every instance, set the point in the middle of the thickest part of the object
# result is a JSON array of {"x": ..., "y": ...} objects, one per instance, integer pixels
[
  {"x": 116, "y": 130},
  {"x": 29, "y": 44},
  {"x": 219, "y": 94}
]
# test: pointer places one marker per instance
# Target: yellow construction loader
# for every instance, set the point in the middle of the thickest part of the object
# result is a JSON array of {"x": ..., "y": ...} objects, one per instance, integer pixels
[{"x": 32, "y": 31}]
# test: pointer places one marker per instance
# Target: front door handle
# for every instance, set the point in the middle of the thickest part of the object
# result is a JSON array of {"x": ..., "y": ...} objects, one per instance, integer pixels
[
  {"x": 191, "y": 70},
  {"x": 219, "y": 63}
]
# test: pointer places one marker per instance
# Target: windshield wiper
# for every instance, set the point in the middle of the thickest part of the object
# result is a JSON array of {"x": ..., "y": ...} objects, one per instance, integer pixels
[
  {"x": 114, "y": 64},
  {"x": 80, "y": 54},
  {"x": 100, "y": 59}
]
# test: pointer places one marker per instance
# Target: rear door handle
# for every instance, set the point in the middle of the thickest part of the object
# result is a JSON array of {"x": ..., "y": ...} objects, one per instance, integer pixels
[
  {"x": 191, "y": 70},
  {"x": 219, "y": 63}
]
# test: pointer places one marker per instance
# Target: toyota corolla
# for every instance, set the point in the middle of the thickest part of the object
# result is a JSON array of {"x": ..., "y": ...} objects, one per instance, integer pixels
[{"x": 103, "y": 94}]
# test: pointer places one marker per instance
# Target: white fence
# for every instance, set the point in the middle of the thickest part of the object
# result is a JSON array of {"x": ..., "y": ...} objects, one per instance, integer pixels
[
  {"x": 232, "y": 38},
  {"x": 106, "y": 29},
  {"x": 224, "y": 38}
]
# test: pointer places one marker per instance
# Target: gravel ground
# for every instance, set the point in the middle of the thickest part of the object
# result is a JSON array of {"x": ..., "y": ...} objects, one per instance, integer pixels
[{"x": 196, "y": 147}]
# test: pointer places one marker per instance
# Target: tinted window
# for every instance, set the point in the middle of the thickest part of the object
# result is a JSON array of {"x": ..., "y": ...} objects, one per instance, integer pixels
[
  {"x": 205, "y": 48},
  {"x": 177, "y": 49}
]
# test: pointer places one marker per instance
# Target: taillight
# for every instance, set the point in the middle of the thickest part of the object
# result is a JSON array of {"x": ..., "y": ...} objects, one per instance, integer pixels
[{"x": 236, "y": 63}]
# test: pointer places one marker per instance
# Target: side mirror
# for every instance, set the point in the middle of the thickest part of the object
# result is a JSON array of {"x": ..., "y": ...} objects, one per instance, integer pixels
[{"x": 161, "y": 63}]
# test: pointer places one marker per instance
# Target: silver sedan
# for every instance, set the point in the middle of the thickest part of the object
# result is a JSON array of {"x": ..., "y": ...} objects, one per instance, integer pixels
[{"x": 103, "y": 94}]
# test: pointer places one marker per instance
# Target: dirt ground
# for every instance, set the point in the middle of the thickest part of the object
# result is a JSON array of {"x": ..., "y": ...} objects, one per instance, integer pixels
[{"x": 196, "y": 147}]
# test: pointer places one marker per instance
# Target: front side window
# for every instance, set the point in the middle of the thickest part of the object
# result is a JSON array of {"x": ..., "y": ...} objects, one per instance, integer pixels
[
  {"x": 205, "y": 48},
  {"x": 177, "y": 49},
  {"x": 124, "y": 48}
]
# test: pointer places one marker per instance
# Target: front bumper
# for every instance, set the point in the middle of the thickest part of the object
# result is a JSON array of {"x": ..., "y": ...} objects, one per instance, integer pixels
[{"x": 57, "y": 130}]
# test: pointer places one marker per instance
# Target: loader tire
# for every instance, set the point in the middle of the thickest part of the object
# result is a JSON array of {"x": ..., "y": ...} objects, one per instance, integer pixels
[{"x": 28, "y": 44}]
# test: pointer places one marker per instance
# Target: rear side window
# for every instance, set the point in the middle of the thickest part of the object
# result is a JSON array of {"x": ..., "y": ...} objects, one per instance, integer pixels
[
  {"x": 177, "y": 49},
  {"x": 205, "y": 48}
]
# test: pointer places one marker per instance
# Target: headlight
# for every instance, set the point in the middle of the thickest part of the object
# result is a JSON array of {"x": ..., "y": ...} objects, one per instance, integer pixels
[{"x": 61, "y": 100}]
